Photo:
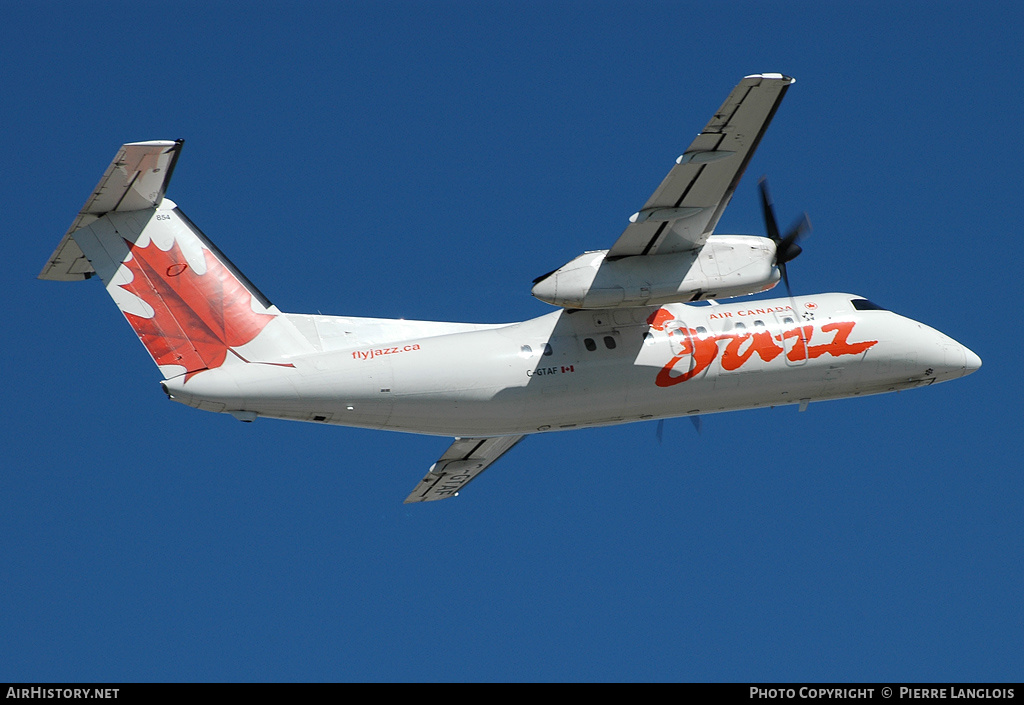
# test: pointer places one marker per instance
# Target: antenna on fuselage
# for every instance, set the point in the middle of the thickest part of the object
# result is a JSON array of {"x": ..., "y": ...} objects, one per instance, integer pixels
[{"x": 694, "y": 419}]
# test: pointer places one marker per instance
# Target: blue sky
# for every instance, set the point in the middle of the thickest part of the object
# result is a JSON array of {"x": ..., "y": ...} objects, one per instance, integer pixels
[{"x": 428, "y": 160}]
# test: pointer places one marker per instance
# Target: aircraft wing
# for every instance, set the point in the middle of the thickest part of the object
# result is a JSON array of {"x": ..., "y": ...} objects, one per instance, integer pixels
[
  {"x": 685, "y": 209},
  {"x": 461, "y": 463},
  {"x": 135, "y": 180}
]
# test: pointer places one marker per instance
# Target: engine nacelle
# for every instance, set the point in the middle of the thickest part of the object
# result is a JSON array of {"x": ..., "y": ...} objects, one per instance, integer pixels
[{"x": 727, "y": 265}]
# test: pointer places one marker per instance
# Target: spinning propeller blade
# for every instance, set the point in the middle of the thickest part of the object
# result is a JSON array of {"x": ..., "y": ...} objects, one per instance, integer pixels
[{"x": 786, "y": 247}]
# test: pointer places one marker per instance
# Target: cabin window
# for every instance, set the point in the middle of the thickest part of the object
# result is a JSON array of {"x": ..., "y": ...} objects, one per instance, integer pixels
[
  {"x": 547, "y": 349},
  {"x": 648, "y": 338},
  {"x": 758, "y": 324},
  {"x": 589, "y": 344},
  {"x": 740, "y": 325},
  {"x": 701, "y": 330},
  {"x": 609, "y": 342}
]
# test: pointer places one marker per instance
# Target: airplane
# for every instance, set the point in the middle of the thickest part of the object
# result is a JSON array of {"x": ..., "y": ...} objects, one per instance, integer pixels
[{"x": 628, "y": 342}]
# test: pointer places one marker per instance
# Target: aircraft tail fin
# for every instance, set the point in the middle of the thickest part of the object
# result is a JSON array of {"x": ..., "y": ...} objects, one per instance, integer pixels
[{"x": 188, "y": 304}]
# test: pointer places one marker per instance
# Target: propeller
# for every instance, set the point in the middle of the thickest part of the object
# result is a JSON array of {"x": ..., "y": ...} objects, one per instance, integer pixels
[{"x": 786, "y": 247}]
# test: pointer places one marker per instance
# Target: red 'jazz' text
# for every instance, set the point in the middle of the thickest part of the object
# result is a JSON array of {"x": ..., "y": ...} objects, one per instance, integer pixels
[{"x": 702, "y": 349}]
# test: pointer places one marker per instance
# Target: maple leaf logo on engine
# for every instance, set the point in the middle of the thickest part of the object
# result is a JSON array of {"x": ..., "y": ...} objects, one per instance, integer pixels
[{"x": 197, "y": 317}]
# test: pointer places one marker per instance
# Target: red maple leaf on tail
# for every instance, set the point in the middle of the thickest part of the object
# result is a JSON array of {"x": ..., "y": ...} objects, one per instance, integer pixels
[{"x": 197, "y": 317}]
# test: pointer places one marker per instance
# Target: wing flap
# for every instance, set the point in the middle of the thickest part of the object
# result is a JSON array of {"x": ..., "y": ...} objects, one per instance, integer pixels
[
  {"x": 464, "y": 460},
  {"x": 136, "y": 179},
  {"x": 686, "y": 207}
]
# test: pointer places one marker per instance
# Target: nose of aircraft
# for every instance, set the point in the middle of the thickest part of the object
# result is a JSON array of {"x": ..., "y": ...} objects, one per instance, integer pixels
[
  {"x": 948, "y": 359},
  {"x": 971, "y": 362}
]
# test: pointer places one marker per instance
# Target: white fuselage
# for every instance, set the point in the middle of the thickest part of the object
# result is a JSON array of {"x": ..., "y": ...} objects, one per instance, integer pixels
[{"x": 573, "y": 369}]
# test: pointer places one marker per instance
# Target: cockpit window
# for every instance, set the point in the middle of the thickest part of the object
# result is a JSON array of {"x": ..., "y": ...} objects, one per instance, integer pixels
[{"x": 865, "y": 305}]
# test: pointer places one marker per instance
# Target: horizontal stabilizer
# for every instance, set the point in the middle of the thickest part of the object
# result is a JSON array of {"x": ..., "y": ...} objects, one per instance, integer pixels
[
  {"x": 135, "y": 180},
  {"x": 461, "y": 463}
]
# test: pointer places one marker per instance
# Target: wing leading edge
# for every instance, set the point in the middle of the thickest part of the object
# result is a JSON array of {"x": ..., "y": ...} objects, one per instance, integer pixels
[
  {"x": 464, "y": 460},
  {"x": 685, "y": 208}
]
